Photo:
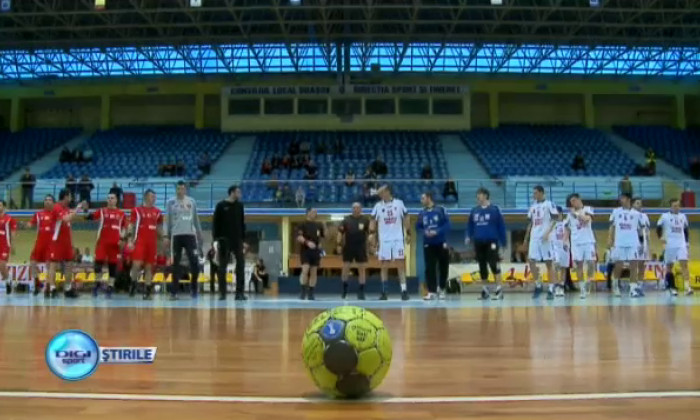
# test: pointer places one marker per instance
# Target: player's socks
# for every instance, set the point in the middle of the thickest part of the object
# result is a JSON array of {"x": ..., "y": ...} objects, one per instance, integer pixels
[
  {"x": 109, "y": 291},
  {"x": 616, "y": 287},
  {"x": 37, "y": 286},
  {"x": 148, "y": 293},
  {"x": 310, "y": 295},
  {"x": 550, "y": 292},
  {"x": 345, "y": 290},
  {"x": 132, "y": 289},
  {"x": 584, "y": 289},
  {"x": 8, "y": 287},
  {"x": 302, "y": 296},
  {"x": 384, "y": 295},
  {"x": 96, "y": 289},
  {"x": 361, "y": 292},
  {"x": 403, "y": 287},
  {"x": 538, "y": 290},
  {"x": 404, "y": 295}
]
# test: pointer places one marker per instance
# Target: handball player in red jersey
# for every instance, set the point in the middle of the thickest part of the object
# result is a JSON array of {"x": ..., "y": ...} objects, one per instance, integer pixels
[
  {"x": 61, "y": 247},
  {"x": 109, "y": 240},
  {"x": 145, "y": 228},
  {"x": 45, "y": 224},
  {"x": 8, "y": 230}
]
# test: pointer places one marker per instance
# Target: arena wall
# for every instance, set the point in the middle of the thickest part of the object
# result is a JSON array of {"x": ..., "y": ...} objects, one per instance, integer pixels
[
  {"x": 4, "y": 114},
  {"x": 152, "y": 110},
  {"x": 540, "y": 108},
  {"x": 479, "y": 110},
  {"x": 692, "y": 110},
  {"x": 62, "y": 113},
  {"x": 634, "y": 110}
]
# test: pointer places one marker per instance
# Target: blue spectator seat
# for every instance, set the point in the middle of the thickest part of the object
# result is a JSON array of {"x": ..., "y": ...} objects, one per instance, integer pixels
[{"x": 20, "y": 149}]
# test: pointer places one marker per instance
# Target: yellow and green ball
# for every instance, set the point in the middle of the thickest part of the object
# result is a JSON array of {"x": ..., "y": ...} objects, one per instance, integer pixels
[{"x": 347, "y": 351}]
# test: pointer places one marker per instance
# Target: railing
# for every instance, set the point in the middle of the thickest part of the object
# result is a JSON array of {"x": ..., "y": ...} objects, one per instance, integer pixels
[{"x": 512, "y": 193}]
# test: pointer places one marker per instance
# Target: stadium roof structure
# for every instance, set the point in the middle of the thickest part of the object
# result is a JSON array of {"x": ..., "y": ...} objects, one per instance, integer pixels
[{"x": 71, "y": 38}]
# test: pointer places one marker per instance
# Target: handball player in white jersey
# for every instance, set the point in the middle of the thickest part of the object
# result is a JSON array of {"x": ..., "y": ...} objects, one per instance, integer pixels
[
  {"x": 579, "y": 225},
  {"x": 672, "y": 229},
  {"x": 561, "y": 256},
  {"x": 390, "y": 221},
  {"x": 538, "y": 232},
  {"x": 623, "y": 237},
  {"x": 643, "y": 240}
]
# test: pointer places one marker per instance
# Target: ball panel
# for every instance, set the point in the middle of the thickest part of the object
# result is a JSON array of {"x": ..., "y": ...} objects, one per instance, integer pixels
[
  {"x": 361, "y": 334},
  {"x": 384, "y": 345},
  {"x": 312, "y": 350},
  {"x": 373, "y": 319},
  {"x": 347, "y": 313},
  {"x": 325, "y": 380},
  {"x": 318, "y": 322},
  {"x": 353, "y": 385},
  {"x": 379, "y": 376},
  {"x": 369, "y": 361},
  {"x": 332, "y": 330},
  {"x": 340, "y": 358}
]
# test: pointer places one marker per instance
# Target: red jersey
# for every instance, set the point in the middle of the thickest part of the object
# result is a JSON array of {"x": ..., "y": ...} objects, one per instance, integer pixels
[
  {"x": 146, "y": 221},
  {"x": 62, "y": 230},
  {"x": 45, "y": 224},
  {"x": 112, "y": 222},
  {"x": 8, "y": 225}
]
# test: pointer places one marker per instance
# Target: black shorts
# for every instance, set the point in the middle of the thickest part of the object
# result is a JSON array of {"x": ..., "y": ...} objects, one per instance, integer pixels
[
  {"x": 353, "y": 253},
  {"x": 310, "y": 257}
]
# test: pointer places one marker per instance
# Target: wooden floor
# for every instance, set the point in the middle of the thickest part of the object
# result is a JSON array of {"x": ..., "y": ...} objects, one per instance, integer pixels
[{"x": 497, "y": 363}]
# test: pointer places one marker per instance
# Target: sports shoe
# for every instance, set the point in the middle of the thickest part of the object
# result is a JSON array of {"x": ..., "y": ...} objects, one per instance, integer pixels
[
  {"x": 441, "y": 295},
  {"x": 344, "y": 295},
  {"x": 108, "y": 293},
  {"x": 498, "y": 294},
  {"x": 689, "y": 292},
  {"x": 173, "y": 297},
  {"x": 484, "y": 294},
  {"x": 583, "y": 295},
  {"x": 616, "y": 292},
  {"x": 383, "y": 296},
  {"x": 240, "y": 297},
  {"x": 53, "y": 294},
  {"x": 404, "y": 295},
  {"x": 71, "y": 293},
  {"x": 360, "y": 295},
  {"x": 96, "y": 289},
  {"x": 430, "y": 296},
  {"x": 37, "y": 287},
  {"x": 559, "y": 292},
  {"x": 309, "y": 296},
  {"x": 537, "y": 292},
  {"x": 672, "y": 292},
  {"x": 8, "y": 288},
  {"x": 550, "y": 292}
]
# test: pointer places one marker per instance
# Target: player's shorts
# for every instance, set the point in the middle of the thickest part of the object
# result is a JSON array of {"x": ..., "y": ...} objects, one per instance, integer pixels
[
  {"x": 107, "y": 252},
  {"x": 561, "y": 257},
  {"x": 145, "y": 252},
  {"x": 391, "y": 250},
  {"x": 41, "y": 252},
  {"x": 539, "y": 250},
  {"x": 625, "y": 253},
  {"x": 4, "y": 253},
  {"x": 676, "y": 253},
  {"x": 310, "y": 257},
  {"x": 583, "y": 252},
  {"x": 354, "y": 253},
  {"x": 61, "y": 251}
]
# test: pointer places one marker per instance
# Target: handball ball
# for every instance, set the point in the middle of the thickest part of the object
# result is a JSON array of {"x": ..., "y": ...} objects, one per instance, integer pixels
[{"x": 347, "y": 351}]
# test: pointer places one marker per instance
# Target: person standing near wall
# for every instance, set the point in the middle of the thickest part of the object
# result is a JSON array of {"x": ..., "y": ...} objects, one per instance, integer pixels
[
  {"x": 228, "y": 231},
  {"x": 184, "y": 233}
]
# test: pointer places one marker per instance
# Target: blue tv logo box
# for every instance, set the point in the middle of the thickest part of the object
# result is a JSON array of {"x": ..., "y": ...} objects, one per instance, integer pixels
[{"x": 73, "y": 355}]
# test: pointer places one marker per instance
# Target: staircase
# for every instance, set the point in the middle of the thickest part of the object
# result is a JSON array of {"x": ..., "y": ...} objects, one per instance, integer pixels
[
  {"x": 467, "y": 171},
  {"x": 226, "y": 171}
]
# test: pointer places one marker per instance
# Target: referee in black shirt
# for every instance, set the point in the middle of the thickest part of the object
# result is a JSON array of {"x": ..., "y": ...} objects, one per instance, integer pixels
[
  {"x": 228, "y": 232},
  {"x": 309, "y": 236},
  {"x": 352, "y": 236}
]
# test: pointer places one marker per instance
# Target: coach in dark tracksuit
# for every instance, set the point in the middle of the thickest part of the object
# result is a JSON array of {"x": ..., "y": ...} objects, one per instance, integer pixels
[
  {"x": 486, "y": 229},
  {"x": 228, "y": 231},
  {"x": 435, "y": 224}
]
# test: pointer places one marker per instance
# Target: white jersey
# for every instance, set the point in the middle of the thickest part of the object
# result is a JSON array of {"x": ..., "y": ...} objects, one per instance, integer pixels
[
  {"x": 389, "y": 216},
  {"x": 581, "y": 232},
  {"x": 644, "y": 237},
  {"x": 540, "y": 216},
  {"x": 559, "y": 235},
  {"x": 627, "y": 224},
  {"x": 673, "y": 226}
]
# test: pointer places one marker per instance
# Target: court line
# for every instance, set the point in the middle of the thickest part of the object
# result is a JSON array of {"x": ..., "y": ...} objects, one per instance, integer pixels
[{"x": 383, "y": 400}]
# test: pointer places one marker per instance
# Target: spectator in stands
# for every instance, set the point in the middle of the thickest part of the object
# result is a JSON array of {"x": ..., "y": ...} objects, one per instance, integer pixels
[
  {"x": 293, "y": 148},
  {"x": 28, "y": 181},
  {"x": 279, "y": 195},
  {"x": 305, "y": 147},
  {"x": 204, "y": 164},
  {"x": 626, "y": 186},
  {"x": 579, "y": 164},
  {"x": 350, "y": 178},
  {"x": 369, "y": 174},
  {"x": 66, "y": 156},
  {"x": 118, "y": 192},
  {"x": 72, "y": 185},
  {"x": 85, "y": 187},
  {"x": 427, "y": 172},
  {"x": 694, "y": 168},
  {"x": 311, "y": 170},
  {"x": 450, "y": 190},
  {"x": 379, "y": 167},
  {"x": 287, "y": 195},
  {"x": 286, "y": 162},
  {"x": 87, "y": 257},
  {"x": 276, "y": 161},
  {"x": 296, "y": 162},
  {"x": 300, "y": 197},
  {"x": 320, "y": 148},
  {"x": 651, "y": 161},
  {"x": 266, "y": 168},
  {"x": 87, "y": 155},
  {"x": 180, "y": 168},
  {"x": 260, "y": 277}
]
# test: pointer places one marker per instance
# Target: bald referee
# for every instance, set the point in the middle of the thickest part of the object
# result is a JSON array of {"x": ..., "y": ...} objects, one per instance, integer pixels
[{"x": 185, "y": 234}]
